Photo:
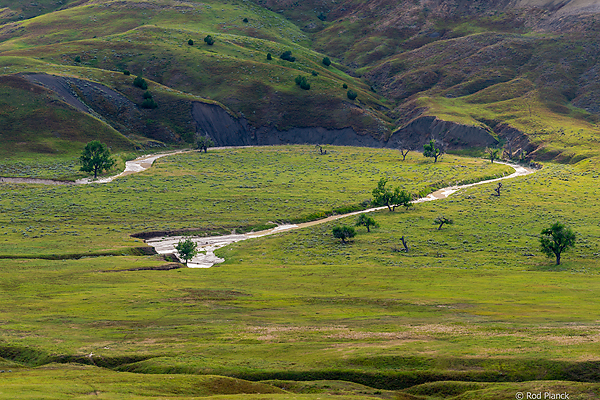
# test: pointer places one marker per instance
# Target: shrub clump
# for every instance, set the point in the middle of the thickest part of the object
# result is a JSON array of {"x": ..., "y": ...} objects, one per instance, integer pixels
[
  {"x": 269, "y": 56},
  {"x": 287, "y": 56},
  {"x": 352, "y": 94},
  {"x": 302, "y": 82},
  {"x": 209, "y": 40},
  {"x": 191, "y": 42},
  {"x": 149, "y": 103},
  {"x": 140, "y": 82},
  {"x": 326, "y": 61}
]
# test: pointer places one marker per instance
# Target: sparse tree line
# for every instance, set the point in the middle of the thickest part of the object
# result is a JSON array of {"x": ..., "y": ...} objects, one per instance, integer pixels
[{"x": 554, "y": 241}]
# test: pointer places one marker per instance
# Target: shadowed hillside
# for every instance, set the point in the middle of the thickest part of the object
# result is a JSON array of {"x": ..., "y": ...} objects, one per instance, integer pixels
[{"x": 521, "y": 75}]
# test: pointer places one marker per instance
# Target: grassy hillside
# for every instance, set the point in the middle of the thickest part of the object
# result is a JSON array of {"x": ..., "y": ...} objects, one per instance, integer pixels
[
  {"x": 409, "y": 59},
  {"x": 95, "y": 41}
]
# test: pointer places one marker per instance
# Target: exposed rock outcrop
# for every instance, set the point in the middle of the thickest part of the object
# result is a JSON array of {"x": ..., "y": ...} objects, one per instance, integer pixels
[
  {"x": 452, "y": 135},
  {"x": 227, "y": 130}
]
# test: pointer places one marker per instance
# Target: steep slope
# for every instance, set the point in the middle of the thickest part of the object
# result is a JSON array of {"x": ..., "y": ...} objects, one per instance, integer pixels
[
  {"x": 539, "y": 60},
  {"x": 97, "y": 39},
  {"x": 531, "y": 67},
  {"x": 36, "y": 120}
]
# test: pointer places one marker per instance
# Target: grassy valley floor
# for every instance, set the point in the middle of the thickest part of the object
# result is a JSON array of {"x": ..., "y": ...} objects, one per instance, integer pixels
[{"x": 471, "y": 311}]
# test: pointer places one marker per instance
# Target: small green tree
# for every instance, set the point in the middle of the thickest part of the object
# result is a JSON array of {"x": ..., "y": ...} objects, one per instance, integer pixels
[
  {"x": 383, "y": 196},
  {"x": 441, "y": 220},
  {"x": 77, "y": 59},
  {"x": 209, "y": 40},
  {"x": 147, "y": 95},
  {"x": 326, "y": 61},
  {"x": 126, "y": 72},
  {"x": 345, "y": 86},
  {"x": 140, "y": 82},
  {"x": 429, "y": 150},
  {"x": 203, "y": 143},
  {"x": 343, "y": 232},
  {"x": 352, "y": 94},
  {"x": 187, "y": 249},
  {"x": 96, "y": 158},
  {"x": 404, "y": 199},
  {"x": 492, "y": 154},
  {"x": 556, "y": 239},
  {"x": 269, "y": 56},
  {"x": 366, "y": 221},
  {"x": 191, "y": 42}
]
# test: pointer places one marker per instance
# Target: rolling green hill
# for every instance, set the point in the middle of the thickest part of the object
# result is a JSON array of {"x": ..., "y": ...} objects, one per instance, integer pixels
[{"x": 516, "y": 77}]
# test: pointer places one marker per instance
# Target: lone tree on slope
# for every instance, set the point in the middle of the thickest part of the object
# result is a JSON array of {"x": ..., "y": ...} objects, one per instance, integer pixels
[
  {"x": 343, "y": 232},
  {"x": 187, "y": 249},
  {"x": 96, "y": 158},
  {"x": 443, "y": 220},
  {"x": 429, "y": 150},
  {"x": 556, "y": 239},
  {"x": 404, "y": 151},
  {"x": 366, "y": 221}
]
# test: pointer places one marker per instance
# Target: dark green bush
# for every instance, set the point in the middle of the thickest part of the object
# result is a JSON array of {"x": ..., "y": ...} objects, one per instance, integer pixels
[
  {"x": 191, "y": 42},
  {"x": 126, "y": 72},
  {"x": 209, "y": 40},
  {"x": 245, "y": 20},
  {"x": 140, "y": 82},
  {"x": 269, "y": 56},
  {"x": 287, "y": 56},
  {"x": 147, "y": 95},
  {"x": 352, "y": 94},
  {"x": 149, "y": 103},
  {"x": 77, "y": 59},
  {"x": 315, "y": 73},
  {"x": 326, "y": 61},
  {"x": 345, "y": 86},
  {"x": 302, "y": 82}
]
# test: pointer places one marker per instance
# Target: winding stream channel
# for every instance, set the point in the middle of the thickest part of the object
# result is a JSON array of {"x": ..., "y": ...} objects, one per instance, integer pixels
[{"x": 207, "y": 245}]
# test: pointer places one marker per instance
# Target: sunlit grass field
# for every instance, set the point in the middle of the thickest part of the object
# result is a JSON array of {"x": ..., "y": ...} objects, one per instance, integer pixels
[
  {"x": 474, "y": 301},
  {"x": 216, "y": 191}
]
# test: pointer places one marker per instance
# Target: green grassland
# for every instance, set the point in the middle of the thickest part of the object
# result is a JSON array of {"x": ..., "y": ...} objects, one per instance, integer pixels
[
  {"x": 216, "y": 191},
  {"x": 475, "y": 301}
]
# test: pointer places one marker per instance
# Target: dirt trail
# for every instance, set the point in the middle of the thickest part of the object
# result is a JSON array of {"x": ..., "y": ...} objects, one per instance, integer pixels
[
  {"x": 207, "y": 245},
  {"x": 131, "y": 167}
]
